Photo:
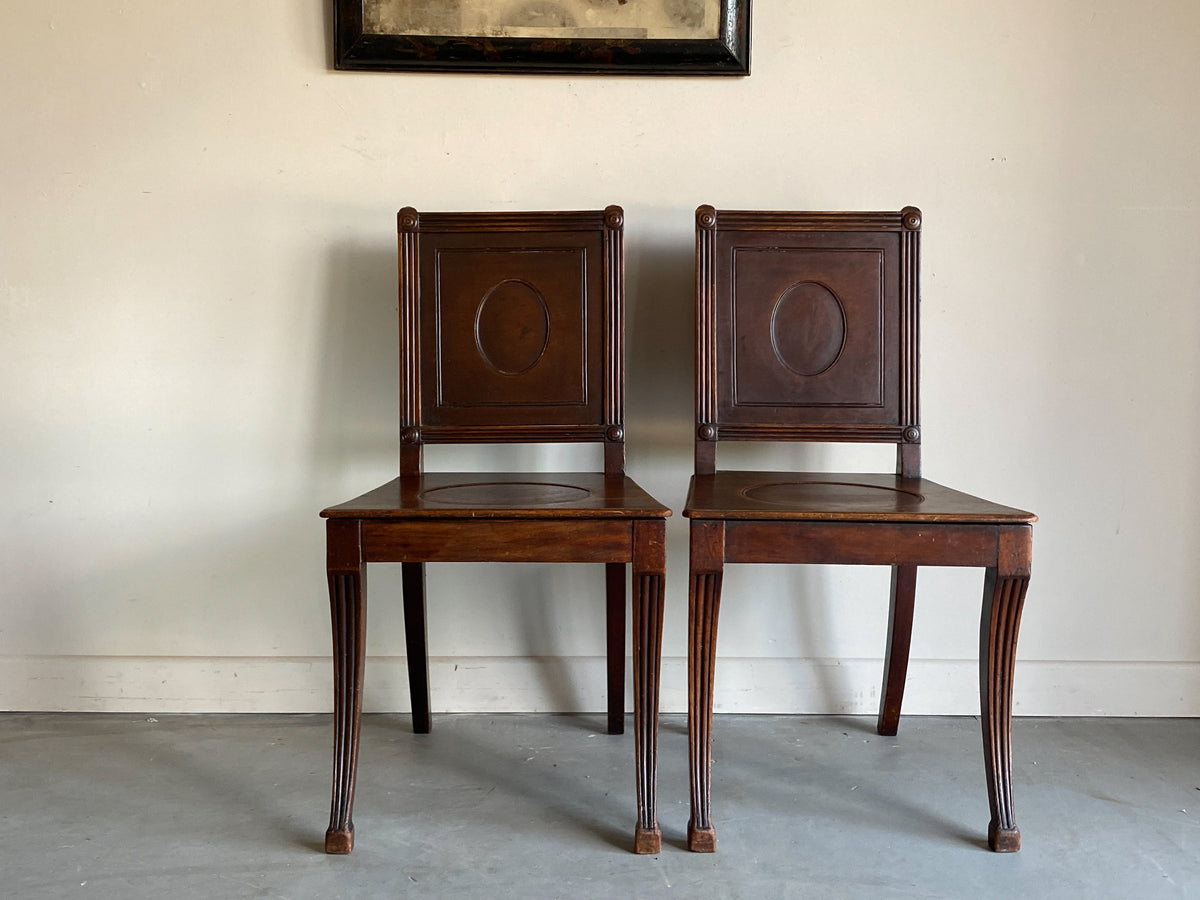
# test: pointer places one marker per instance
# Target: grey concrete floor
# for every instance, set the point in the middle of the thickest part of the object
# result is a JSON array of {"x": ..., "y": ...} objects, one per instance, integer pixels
[{"x": 108, "y": 806}]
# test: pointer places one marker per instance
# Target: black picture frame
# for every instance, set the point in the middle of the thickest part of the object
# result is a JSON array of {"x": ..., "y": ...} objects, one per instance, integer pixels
[{"x": 728, "y": 54}]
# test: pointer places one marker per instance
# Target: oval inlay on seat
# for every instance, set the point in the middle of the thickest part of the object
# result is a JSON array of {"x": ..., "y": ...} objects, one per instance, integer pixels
[
  {"x": 512, "y": 327},
  {"x": 835, "y": 496},
  {"x": 508, "y": 494},
  {"x": 808, "y": 328}
]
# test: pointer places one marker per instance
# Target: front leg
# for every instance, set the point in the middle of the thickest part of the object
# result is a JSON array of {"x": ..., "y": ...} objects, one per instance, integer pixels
[
  {"x": 707, "y": 563},
  {"x": 1003, "y": 598},
  {"x": 347, "y": 603},
  {"x": 649, "y": 571}
]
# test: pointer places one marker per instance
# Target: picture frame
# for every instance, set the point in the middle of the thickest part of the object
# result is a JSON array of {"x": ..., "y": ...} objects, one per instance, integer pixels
[{"x": 598, "y": 37}]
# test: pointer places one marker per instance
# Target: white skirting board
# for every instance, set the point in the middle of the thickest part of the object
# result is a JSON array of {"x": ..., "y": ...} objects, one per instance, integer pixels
[{"x": 576, "y": 684}]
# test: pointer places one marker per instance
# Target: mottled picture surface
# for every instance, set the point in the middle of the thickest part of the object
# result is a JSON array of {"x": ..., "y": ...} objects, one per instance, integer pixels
[{"x": 563, "y": 19}]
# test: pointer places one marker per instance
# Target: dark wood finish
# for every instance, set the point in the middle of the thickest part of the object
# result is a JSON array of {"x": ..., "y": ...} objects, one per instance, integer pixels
[
  {"x": 502, "y": 495},
  {"x": 903, "y": 594},
  {"x": 649, "y": 572},
  {"x": 412, "y": 583},
  {"x": 1004, "y": 588},
  {"x": 347, "y": 602},
  {"x": 614, "y": 643},
  {"x": 706, "y": 565},
  {"x": 726, "y": 54},
  {"x": 886, "y": 543},
  {"x": 841, "y": 497},
  {"x": 807, "y": 329},
  {"x": 494, "y": 540},
  {"x": 511, "y": 329}
]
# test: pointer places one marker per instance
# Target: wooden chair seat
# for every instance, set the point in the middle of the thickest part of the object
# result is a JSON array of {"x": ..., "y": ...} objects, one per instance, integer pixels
[
  {"x": 507, "y": 495},
  {"x": 839, "y": 497}
]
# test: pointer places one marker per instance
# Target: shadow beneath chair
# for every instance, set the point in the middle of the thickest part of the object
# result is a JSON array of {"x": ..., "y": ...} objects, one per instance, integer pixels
[
  {"x": 593, "y": 723},
  {"x": 846, "y": 724},
  {"x": 837, "y": 777},
  {"x": 549, "y": 600},
  {"x": 242, "y": 780},
  {"x": 570, "y": 781}
]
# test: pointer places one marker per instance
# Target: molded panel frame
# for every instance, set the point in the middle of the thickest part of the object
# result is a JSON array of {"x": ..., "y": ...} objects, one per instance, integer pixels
[
  {"x": 723, "y": 414},
  {"x": 573, "y": 391}
]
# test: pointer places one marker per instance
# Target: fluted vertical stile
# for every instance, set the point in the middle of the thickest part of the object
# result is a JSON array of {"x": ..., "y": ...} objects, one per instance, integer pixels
[
  {"x": 910, "y": 269},
  {"x": 614, "y": 329},
  {"x": 706, "y": 341}
]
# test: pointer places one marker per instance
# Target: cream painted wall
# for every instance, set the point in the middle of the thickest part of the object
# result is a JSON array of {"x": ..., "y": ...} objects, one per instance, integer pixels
[{"x": 197, "y": 348}]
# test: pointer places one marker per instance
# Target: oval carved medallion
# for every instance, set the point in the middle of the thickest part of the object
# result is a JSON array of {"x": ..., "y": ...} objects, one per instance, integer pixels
[
  {"x": 808, "y": 328},
  {"x": 512, "y": 327}
]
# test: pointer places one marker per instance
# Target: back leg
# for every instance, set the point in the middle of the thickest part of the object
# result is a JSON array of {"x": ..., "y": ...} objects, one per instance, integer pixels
[
  {"x": 615, "y": 628},
  {"x": 412, "y": 577},
  {"x": 895, "y": 663}
]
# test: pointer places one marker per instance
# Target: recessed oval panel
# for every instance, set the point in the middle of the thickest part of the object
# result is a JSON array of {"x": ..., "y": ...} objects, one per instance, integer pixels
[
  {"x": 507, "y": 494},
  {"x": 840, "y": 496},
  {"x": 808, "y": 328},
  {"x": 512, "y": 327}
]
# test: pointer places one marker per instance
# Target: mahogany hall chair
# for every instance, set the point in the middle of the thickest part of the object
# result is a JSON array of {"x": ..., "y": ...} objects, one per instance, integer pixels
[
  {"x": 511, "y": 330},
  {"x": 806, "y": 329}
]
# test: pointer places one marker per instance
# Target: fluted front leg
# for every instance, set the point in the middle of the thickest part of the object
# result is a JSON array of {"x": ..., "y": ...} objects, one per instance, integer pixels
[
  {"x": 704, "y": 606},
  {"x": 1003, "y": 598},
  {"x": 347, "y": 601},
  {"x": 895, "y": 662},
  {"x": 649, "y": 570}
]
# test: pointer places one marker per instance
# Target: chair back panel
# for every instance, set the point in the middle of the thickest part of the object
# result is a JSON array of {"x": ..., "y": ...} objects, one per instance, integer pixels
[
  {"x": 807, "y": 326},
  {"x": 511, "y": 327}
]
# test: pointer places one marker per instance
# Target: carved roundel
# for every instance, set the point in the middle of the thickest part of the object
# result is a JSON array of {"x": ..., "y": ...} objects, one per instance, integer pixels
[
  {"x": 512, "y": 327},
  {"x": 808, "y": 328}
]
